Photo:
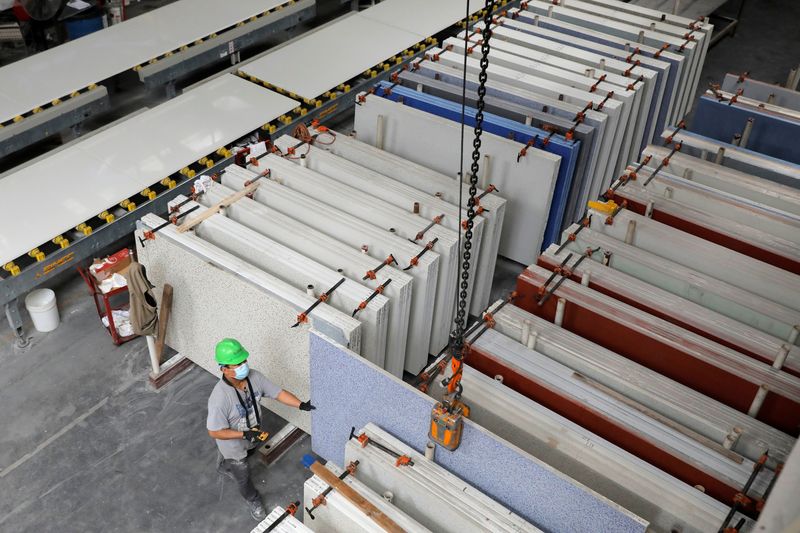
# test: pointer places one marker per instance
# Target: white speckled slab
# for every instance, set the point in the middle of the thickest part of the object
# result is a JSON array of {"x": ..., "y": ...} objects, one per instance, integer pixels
[
  {"x": 298, "y": 271},
  {"x": 217, "y": 295}
]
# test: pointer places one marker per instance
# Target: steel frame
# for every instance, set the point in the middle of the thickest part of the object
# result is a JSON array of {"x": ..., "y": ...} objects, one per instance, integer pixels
[{"x": 68, "y": 114}]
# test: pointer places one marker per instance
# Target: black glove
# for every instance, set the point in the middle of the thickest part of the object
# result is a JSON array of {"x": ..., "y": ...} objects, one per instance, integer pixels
[
  {"x": 251, "y": 435},
  {"x": 306, "y": 406}
]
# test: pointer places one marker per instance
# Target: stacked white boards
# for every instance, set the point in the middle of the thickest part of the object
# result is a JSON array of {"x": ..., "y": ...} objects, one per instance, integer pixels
[
  {"x": 281, "y": 521},
  {"x": 435, "y": 498},
  {"x": 578, "y": 89},
  {"x": 318, "y": 240}
]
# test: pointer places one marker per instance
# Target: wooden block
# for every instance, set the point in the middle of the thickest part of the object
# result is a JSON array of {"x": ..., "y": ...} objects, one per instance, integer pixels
[
  {"x": 357, "y": 499},
  {"x": 163, "y": 320}
]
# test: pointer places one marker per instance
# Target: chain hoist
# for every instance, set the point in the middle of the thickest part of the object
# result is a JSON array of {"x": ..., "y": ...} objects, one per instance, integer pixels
[{"x": 447, "y": 415}]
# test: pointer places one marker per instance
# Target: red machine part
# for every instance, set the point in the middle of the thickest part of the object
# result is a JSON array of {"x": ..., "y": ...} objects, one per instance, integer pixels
[
  {"x": 614, "y": 334},
  {"x": 763, "y": 254}
]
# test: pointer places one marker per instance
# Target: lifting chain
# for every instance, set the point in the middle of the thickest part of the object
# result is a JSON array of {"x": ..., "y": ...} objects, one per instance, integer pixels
[{"x": 457, "y": 337}]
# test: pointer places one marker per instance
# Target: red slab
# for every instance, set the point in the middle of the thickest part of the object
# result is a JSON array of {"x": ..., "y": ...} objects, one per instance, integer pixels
[
  {"x": 730, "y": 389},
  {"x": 599, "y": 424},
  {"x": 723, "y": 239}
]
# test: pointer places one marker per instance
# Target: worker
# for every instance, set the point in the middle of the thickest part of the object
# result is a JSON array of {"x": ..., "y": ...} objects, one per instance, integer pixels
[{"x": 234, "y": 416}]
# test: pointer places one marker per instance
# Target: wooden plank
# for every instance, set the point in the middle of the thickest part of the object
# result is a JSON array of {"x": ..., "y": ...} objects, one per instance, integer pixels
[
  {"x": 214, "y": 209},
  {"x": 354, "y": 497},
  {"x": 163, "y": 320}
]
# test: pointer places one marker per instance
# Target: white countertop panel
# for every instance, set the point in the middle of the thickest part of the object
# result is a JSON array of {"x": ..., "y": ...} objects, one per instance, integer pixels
[
  {"x": 422, "y": 17},
  {"x": 56, "y": 194},
  {"x": 325, "y": 58},
  {"x": 54, "y": 73}
]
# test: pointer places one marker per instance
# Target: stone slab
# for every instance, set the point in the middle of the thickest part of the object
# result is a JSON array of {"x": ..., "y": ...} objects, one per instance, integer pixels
[{"x": 340, "y": 382}]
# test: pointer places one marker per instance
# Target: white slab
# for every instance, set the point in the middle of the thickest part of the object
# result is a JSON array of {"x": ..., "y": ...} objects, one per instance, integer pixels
[
  {"x": 436, "y": 498},
  {"x": 355, "y": 232},
  {"x": 613, "y": 109},
  {"x": 598, "y": 157},
  {"x": 393, "y": 220},
  {"x": 436, "y": 184},
  {"x": 57, "y": 72},
  {"x": 333, "y": 254},
  {"x": 693, "y": 50},
  {"x": 667, "y": 502},
  {"x": 595, "y": 65},
  {"x": 422, "y": 17},
  {"x": 340, "y": 515},
  {"x": 572, "y": 74},
  {"x": 289, "y": 524},
  {"x": 395, "y": 193},
  {"x": 432, "y": 141},
  {"x": 746, "y": 307},
  {"x": 330, "y": 56},
  {"x": 80, "y": 182},
  {"x": 669, "y": 398},
  {"x": 721, "y": 263}
]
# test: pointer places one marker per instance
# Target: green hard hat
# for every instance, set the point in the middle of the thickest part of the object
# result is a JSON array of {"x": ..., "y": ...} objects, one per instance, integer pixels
[{"x": 230, "y": 352}]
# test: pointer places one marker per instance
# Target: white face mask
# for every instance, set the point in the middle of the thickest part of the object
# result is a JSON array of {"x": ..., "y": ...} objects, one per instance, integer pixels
[{"x": 242, "y": 371}]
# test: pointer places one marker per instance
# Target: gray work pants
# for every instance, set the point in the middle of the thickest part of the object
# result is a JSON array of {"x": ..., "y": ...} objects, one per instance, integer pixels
[{"x": 240, "y": 471}]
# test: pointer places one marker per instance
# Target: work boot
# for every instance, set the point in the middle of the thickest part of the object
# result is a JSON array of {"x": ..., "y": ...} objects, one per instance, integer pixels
[{"x": 257, "y": 510}]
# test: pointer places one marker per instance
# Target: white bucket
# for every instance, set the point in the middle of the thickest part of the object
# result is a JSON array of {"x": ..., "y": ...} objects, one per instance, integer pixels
[{"x": 41, "y": 304}]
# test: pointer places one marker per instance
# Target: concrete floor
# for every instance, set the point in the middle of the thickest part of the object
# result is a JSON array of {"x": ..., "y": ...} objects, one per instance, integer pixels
[{"x": 87, "y": 445}]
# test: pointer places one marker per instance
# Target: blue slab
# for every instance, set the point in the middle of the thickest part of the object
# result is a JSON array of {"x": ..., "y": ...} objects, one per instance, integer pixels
[
  {"x": 672, "y": 76},
  {"x": 756, "y": 170},
  {"x": 771, "y": 134},
  {"x": 509, "y": 129},
  {"x": 349, "y": 391}
]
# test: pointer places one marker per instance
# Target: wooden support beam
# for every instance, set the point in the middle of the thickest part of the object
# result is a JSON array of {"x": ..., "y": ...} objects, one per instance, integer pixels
[
  {"x": 355, "y": 498},
  {"x": 214, "y": 209}
]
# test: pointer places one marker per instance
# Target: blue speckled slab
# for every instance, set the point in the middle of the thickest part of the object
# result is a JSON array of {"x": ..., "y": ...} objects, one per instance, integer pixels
[{"x": 351, "y": 392}]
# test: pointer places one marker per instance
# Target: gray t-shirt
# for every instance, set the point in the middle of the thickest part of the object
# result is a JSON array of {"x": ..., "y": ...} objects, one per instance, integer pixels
[{"x": 225, "y": 411}]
